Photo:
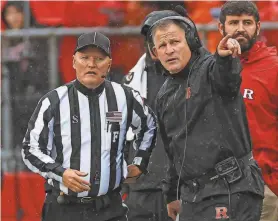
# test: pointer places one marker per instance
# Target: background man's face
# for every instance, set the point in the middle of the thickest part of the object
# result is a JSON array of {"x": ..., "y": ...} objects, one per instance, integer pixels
[
  {"x": 243, "y": 28},
  {"x": 171, "y": 48},
  {"x": 91, "y": 64},
  {"x": 14, "y": 17}
]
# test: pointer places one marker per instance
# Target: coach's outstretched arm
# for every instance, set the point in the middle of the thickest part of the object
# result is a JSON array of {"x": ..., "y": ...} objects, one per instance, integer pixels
[{"x": 224, "y": 71}]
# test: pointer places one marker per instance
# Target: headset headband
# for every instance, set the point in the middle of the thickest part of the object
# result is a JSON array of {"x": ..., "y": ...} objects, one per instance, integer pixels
[{"x": 180, "y": 18}]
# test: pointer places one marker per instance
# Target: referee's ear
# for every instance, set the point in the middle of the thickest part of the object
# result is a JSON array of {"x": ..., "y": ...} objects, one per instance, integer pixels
[
  {"x": 109, "y": 67},
  {"x": 73, "y": 61}
]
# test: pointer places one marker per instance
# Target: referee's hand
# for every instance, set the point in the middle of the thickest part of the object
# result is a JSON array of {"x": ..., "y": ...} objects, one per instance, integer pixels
[
  {"x": 72, "y": 180},
  {"x": 133, "y": 173}
]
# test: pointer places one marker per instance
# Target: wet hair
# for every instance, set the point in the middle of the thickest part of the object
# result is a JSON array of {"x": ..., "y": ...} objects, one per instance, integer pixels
[
  {"x": 186, "y": 24},
  {"x": 165, "y": 23},
  {"x": 239, "y": 8}
]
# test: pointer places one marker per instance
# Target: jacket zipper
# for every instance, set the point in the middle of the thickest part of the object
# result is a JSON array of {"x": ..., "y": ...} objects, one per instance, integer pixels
[{"x": 187, "y": 83}]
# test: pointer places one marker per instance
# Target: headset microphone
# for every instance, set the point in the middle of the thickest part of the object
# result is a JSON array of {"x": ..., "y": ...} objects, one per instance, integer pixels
[{"x": 105, "y": 76}]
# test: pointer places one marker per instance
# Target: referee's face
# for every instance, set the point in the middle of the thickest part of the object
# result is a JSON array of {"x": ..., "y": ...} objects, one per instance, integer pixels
[{"x": 91, "y": 65}]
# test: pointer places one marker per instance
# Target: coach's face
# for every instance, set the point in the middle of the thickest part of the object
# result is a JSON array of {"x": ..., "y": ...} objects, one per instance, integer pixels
[
  {"x": 171, "y": 48},
  {"x": 92, "y": 65}
]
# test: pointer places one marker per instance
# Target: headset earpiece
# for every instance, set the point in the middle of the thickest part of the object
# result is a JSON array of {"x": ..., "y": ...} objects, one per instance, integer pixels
[
  {"x": 151, "y": 49},
  {"x": 191, "y": 36},
  {"x": 189, "y": 27}
]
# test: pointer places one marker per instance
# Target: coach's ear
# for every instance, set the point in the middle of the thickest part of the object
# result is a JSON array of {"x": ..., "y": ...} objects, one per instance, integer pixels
[
  {"x": 154, "y": 51},
  {"x": 153, "y": 56}
]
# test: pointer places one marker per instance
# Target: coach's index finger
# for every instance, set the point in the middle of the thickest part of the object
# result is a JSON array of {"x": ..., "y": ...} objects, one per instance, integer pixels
[
  {"x": 239, "y": 47},
  {"x": 225, "y": 39}
]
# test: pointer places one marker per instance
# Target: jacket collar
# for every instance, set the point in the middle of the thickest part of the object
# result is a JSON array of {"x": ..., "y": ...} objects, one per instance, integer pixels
[
  {"x": 258, "y": 51},
  {"x": 185, "y": 72}
]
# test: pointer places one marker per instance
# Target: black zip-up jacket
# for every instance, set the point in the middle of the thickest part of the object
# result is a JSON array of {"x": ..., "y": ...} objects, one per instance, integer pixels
[{"x": 210, "y": 104}]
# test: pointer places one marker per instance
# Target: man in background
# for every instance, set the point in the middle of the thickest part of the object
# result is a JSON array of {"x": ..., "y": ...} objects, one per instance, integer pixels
[
  {"x": 145, "y": 197},
  {"x": 259, "y": 88}
]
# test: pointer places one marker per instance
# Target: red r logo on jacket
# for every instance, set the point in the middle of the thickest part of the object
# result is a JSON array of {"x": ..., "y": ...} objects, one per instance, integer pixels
[{"x": 221, "y": 213}]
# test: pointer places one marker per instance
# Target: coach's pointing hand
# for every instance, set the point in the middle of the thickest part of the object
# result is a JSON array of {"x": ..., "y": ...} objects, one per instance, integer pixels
[{"x": 228, "y": 46}]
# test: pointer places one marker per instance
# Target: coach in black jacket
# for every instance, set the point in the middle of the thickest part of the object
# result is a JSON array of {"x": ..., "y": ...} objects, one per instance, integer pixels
[{"x": 203, "y": 125}]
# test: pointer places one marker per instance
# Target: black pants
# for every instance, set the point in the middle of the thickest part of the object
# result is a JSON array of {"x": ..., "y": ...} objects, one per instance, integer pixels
[
  {"x": 244, "y": 207},
  {"x": 146, "y": 206},
  {"x": 52, "y": 211}
]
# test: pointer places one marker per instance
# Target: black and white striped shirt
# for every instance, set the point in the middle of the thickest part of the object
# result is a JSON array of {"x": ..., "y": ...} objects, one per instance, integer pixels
[{"x": 83, "y": 129}]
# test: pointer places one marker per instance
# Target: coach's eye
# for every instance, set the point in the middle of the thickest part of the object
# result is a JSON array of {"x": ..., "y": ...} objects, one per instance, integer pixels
[{"x": 162, "y": 46}]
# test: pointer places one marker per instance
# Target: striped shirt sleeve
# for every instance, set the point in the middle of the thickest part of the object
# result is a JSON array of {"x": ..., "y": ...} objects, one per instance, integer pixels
[
  {"x": 144, "y": 126},
  {"x": 38, "y": 141}
]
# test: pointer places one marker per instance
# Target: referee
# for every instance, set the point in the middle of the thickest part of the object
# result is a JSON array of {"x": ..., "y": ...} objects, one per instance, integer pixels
[{"x": 76, "y": 134}]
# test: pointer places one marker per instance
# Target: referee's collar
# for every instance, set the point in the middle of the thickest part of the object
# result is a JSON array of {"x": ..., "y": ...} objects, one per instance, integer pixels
[{"x": 86, "y": 91}]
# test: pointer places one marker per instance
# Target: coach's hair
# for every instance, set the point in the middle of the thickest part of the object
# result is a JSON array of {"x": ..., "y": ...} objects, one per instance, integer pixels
[
  {"x": 239, "y": 8},
  {"x": 165, "y": 23}
]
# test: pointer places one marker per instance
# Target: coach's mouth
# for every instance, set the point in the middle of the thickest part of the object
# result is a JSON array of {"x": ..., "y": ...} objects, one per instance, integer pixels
[{"x": 170, "y": 60}]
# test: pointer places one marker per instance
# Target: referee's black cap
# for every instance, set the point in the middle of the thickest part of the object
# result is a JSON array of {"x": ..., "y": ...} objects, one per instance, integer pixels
[{"x": 94, "y": 39}]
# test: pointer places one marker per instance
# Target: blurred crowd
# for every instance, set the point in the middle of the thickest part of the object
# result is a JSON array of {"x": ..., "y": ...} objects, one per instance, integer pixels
[{"x": 27, "y": 60}]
